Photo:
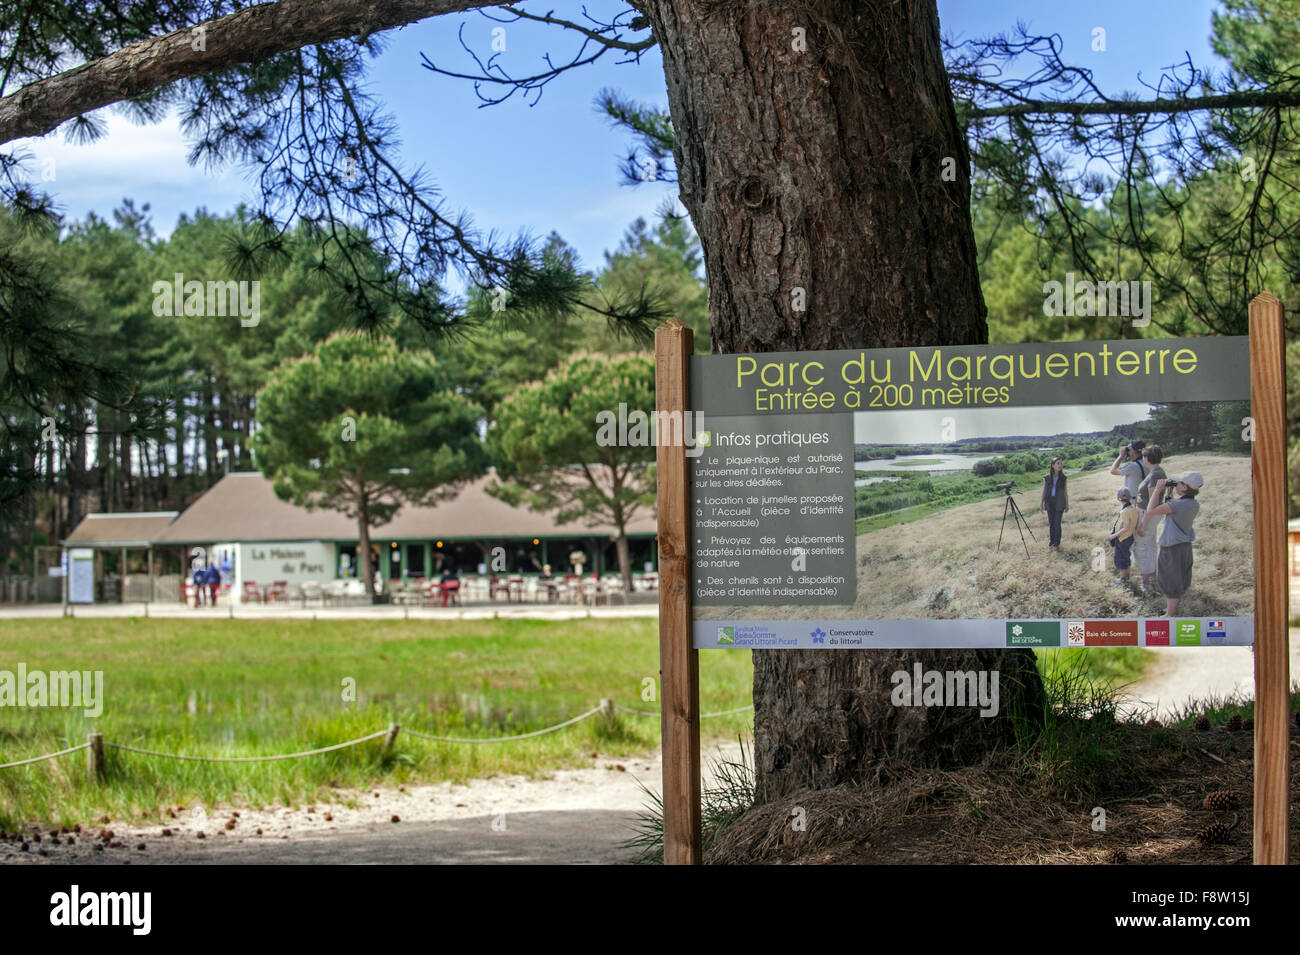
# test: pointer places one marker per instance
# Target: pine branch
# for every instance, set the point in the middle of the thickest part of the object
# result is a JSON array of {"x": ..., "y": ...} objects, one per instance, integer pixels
[
  {"x": 246, "y": 36},
  {"x": 1243, "y": 99}
]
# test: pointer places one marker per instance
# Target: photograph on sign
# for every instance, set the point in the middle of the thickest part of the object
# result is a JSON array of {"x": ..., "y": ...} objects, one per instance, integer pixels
[{"x": 1080, "y": 494}]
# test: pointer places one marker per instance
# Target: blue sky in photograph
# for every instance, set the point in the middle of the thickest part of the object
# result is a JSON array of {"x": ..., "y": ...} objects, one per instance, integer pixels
[{"x": 553, "y": 166}]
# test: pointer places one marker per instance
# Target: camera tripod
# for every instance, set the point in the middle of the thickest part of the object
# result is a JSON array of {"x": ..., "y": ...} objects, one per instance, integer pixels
[{"x": 1022, "y": 525}]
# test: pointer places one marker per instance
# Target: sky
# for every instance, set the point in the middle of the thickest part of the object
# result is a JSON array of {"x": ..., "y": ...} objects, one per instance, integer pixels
[{"x": 553, "y": 166}]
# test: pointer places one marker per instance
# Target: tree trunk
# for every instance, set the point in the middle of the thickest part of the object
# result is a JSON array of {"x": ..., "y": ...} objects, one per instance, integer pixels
[
  {"x": 363, "y": 550},
  {"x": 822, "y": 170},
  {"x": 624, "y": 560}
]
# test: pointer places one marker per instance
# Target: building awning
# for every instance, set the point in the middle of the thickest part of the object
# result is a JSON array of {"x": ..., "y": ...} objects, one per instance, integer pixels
[
  {"x": 120, "y": 530},
  {"x": 243, "y": 507}
]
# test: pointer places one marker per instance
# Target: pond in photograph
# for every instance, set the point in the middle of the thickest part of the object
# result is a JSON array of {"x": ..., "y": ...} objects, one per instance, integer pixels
[{"x": 933, "y": 463}]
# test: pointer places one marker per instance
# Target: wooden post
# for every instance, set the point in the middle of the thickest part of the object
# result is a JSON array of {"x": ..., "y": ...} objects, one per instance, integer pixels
[
  {"x": 679, "y": 673},
  {"x": 389, "y": 740},
  {"x": 607, "y": 709},
  {"x": 95, "y": 755},
  {"x": 1268, "y": 481}
]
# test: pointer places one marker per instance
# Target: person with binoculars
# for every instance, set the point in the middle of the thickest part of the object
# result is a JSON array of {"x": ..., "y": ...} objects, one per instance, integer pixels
[{"x": 1174, "y": 565}]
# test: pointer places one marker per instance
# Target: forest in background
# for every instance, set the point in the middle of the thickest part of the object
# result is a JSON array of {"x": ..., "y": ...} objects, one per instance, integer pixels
[{"x": 82, "y": 293}]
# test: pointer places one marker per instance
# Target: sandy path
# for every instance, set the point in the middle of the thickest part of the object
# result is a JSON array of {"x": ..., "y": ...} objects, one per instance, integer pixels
[
  {"x": 1181, "y": 675},
  {"x": 573, "y": 816}
]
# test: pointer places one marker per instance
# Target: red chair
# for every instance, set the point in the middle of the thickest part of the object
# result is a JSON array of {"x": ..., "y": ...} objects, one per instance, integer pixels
[
  {"x": 189, "y": 590},
  {"x": 450, "y": 590},
  {"x": 498, "y": 586},
  {"x": 252, "y": 593}
]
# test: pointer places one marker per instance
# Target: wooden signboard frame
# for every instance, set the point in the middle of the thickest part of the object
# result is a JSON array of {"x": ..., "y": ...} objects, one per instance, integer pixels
[{"x": 679, "y": 660}]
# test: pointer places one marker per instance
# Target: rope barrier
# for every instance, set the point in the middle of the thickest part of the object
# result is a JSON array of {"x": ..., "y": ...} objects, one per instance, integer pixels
[
  {"x": 703, "y": 716},
  {"x": 356, "y": 742},
  {"x": 504, "y": 739},
  {"x": 37, "y": 759},
  {"x": 248, "y": 759}
]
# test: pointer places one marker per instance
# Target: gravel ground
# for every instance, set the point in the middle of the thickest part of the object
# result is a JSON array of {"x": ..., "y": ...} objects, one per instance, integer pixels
[
  {"x": 1183, "y": 674},
  {"x": 572, "y": 816}
]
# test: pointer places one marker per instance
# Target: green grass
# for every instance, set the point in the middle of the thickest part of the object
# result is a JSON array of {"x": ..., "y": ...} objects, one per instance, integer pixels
[
  {"x": 1115, "y": 666},
  {"x": 260, "y": 687},
  {"x": 1220, "y": 709}
]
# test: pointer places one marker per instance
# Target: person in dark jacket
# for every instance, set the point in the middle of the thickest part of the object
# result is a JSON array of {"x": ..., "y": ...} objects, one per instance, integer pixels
[
  {"x": 197, "y": 578},
  {"x": 1055, "y": 501},
  {"x": 212, "y": 578}
]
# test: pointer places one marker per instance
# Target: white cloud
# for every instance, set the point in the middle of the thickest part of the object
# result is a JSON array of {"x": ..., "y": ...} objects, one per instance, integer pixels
[{"x": 145, "y": 163}]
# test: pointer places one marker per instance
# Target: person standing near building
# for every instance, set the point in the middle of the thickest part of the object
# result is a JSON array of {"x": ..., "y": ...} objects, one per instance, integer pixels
[
  {"x": 212, "y": 578},
  {"x": 197, "y": 577}
]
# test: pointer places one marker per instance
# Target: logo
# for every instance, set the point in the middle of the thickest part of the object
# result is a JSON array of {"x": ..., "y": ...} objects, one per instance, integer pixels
[
  {"x": 726, "y": 635},
  {"x": 1216, "y": 630},
  {"x": 1187, "y": 633},
  {"x": 215, "y": 299},
  {"x": 819, "y": 635},
  {"x": 1034, "y": 633},
  {"x": 1157, "y": 633},
  {"x": 130, "y": 909},
  {"x": 1111, "y": 633},
  {"x": 70, "y": 688},
  {"x": 1074, "y": 632}
]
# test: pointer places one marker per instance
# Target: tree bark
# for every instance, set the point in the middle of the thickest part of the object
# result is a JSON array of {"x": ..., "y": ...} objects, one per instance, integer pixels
[
  {"x": 624, "y": 560},
  {"x": 817, "y": 177},
  {"x": 363, "y": 548}
]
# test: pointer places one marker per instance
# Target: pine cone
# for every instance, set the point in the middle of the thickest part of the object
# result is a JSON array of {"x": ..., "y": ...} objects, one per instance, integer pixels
[
  {"x": 1213, "y": 834},
  {"x": 1234, "y": 723},
  {"x": 1202, "y": 723},
  {"x": 1117, "y": 857},
  {"x": 1221, "y": 800},
  {"x": 1248, "y": 724}
]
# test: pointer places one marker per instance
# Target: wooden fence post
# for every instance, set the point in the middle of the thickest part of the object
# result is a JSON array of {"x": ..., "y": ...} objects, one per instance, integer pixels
[
  {"x": 678, "y": 660},
  {"x": 95, "y": 755},
  {"x": 389, "y": 740},
  {"x": 1268, "y": 480}
]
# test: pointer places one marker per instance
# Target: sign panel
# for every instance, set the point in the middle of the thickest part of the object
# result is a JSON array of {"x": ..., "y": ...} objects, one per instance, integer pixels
[
  {"x": 975, "y": 496},
  {"x": 81, "y": 579},
  {"x": 296, "y": 562}
]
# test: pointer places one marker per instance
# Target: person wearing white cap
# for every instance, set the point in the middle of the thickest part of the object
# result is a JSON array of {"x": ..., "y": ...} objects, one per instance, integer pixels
[{"x": 1174, "y": 565}]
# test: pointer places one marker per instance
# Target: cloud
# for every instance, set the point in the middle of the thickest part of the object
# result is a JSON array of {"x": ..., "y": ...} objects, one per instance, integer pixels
[{"x": 146, "y": 163}]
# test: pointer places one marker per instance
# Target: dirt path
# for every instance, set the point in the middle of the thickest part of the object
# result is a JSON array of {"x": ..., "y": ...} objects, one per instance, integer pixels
[
  {"x": 573, "y": 816},
  {"x": 1182, "y": 675}
]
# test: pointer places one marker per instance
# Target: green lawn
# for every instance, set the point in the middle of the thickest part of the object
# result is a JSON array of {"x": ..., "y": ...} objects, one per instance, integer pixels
[
  {"x": 255, "y": 687},
  {"x": 263, "y": 686}
]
